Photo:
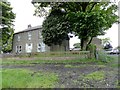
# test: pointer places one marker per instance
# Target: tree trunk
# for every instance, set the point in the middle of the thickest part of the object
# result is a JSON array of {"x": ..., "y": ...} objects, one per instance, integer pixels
[
  {"x": 83, "y": 44},
  {"x": 89, "y": 43}
]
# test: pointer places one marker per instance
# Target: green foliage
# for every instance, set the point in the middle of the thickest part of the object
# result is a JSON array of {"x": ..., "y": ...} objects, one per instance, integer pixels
[
  {"x": 117, "y": 84},
  {"x": 22, "y": 78},
  {"x": 11, "y": 61},
  {"x": 7, "y": 26},
  {"x": 89, "y": 19},
  {"x": 91, "y": 23},
  {"x": 91, "y": 48},
  {"x": 102, "y": 56},
  {"x": 74, "y": 66},
  {"x": 98, "y": 75},
  {"x": 55, "y": 28}
]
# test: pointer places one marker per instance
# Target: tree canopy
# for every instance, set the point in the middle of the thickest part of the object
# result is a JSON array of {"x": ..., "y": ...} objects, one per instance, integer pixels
[
  {"x": 55, "y": 28},
  {"x": 7, "y": 30},
  {"x": 87, "y": 19}
]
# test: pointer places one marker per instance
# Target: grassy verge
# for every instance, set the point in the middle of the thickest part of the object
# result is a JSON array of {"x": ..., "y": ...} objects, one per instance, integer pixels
[
  {"x": 24, "y": 61},
  {"x": 22, "y": 78},
  {"x": 27, "y": 62}
]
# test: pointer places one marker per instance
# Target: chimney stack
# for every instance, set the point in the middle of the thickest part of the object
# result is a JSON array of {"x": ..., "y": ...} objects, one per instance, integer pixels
[{"x": 29, "y": 26}]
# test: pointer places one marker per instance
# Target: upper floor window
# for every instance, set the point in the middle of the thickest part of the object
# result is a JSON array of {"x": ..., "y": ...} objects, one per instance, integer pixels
[
  {"x": 40, "y": 34},
  {"x": 29, "y": 36},
  {"x": 18, "y": 38},
  {"x": 39, "y": 47}
]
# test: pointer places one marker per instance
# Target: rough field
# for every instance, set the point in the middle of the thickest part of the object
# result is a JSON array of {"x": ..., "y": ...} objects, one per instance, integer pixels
[{"x": 74, "y": 75}]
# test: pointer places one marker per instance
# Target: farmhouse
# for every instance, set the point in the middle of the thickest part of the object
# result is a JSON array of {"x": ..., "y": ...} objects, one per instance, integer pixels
[{"x": 30, "y": 40}]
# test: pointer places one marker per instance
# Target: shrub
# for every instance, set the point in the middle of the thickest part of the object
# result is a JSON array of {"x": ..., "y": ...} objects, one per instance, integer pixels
[{"x": 92, "y": 49}]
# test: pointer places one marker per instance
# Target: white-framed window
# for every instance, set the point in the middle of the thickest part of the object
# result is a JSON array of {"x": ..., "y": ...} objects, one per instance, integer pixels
[
  {"x": 18, "y": 37},
  {"x": 39, "y": 47},
  {"x": 29, "y": 36},
  {"x": 40, "y": 34},
  {"x": 18, "y": 49}
]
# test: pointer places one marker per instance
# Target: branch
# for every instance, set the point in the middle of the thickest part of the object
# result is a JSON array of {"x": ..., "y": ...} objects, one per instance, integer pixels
[
  {"x": 90, "y": 41},
  {"x": 93, "y": 6}
]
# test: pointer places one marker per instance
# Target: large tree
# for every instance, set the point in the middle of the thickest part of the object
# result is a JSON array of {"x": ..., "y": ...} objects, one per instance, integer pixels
[
  {"x": 6, "y": 30},
  {"x": 55, "y": 28},
  {"x": 89, "y": 19},
  {"x": 92, "y": 19}
]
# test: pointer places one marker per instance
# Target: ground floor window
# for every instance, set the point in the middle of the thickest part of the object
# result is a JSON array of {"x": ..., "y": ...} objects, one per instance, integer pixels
[
  {"x": 41, "y": 47},
  {"x": 18, "y": 49}
]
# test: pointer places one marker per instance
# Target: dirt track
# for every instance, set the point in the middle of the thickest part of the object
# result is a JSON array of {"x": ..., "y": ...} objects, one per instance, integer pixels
[{"x": 73, "y": 77}]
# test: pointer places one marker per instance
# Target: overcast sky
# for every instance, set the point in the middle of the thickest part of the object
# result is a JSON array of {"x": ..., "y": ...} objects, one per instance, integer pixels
[{"x": 24, "y": 11}]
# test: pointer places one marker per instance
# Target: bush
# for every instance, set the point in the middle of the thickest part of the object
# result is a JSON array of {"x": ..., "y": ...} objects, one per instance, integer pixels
[{"x": 92, "y": 49}]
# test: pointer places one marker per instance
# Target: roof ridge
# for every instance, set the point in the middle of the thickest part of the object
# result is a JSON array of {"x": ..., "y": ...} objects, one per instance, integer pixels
[{"x": 29, "y": 29}]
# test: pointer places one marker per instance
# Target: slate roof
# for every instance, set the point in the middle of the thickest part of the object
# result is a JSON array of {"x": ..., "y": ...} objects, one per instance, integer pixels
[{"x": 30, "y": 29}]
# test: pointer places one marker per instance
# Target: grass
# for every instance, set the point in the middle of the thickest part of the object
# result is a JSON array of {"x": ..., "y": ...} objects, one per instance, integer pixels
[
  {"x": 28, "y": 62},
  {"x": 73, "y": 66},
  {"x": 117, "y": 83},
  {"x": 98, "y": 75},
  {"x": 0, "y": 79},
  {"x": 113, "y": 62},
  {"x": 38, "y": 60},
  {"x": 23, "y": 61},
  {"x": 23, "y": 78},
  {"x": 0, "y": 75}
]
